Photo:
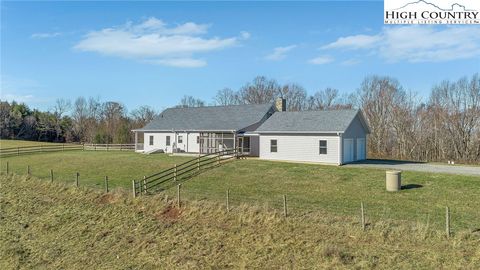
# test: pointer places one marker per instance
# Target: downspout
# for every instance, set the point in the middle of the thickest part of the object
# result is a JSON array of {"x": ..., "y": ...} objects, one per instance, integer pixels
[{"x": 340, "y": 148}]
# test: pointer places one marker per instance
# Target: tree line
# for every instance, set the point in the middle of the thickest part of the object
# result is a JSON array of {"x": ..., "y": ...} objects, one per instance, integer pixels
[{"x": 444, "y": 126}]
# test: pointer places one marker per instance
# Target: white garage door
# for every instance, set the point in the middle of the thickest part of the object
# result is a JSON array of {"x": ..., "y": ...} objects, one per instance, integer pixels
[
  {"x": 347, "y": 150},
  {"x": 361, "y": 149}
]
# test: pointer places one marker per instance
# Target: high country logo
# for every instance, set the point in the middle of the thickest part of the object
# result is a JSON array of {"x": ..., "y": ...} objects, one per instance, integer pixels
[{"x": 432, "y": 12}]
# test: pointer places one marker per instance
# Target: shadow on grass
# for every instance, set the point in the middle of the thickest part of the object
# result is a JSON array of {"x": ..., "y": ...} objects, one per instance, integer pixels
[
  {"x": 411, "y": 186},
  {"x": 386, "y": 162}
]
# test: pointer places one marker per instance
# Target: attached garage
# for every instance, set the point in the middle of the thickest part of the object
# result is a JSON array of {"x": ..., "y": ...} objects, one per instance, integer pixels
[
  {"x": 332, "y": 137},
  {"x": 348, "y": 150}
]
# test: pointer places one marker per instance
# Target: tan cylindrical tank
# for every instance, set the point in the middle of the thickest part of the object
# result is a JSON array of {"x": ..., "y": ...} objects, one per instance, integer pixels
[{"x": 394, "y": 180}]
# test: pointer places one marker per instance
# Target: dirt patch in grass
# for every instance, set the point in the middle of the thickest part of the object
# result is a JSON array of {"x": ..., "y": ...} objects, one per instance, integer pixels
[
  {"x": 170, "y": 213},
  {"x": 107, "y": 198}
]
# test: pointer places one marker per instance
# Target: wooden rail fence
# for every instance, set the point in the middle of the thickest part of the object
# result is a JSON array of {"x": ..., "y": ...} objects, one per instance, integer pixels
[
  {"x": 169, "y": 177},
  {"x": 22, "y": 150}
]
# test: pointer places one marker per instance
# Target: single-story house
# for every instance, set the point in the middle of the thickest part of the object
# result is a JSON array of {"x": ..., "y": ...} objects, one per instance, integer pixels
[{"x": 266, "y": 131}]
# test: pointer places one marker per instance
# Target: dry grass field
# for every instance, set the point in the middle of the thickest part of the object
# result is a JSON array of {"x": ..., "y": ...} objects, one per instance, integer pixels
[{"x": 56, "y": 226}]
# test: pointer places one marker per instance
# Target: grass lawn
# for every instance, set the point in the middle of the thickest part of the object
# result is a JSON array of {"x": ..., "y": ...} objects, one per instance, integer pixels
[
  {"x": 53, "y": 226},
  {"x": 308, "y": 187}
]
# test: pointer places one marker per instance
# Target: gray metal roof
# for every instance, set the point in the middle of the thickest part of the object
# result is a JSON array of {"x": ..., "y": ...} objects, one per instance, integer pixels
[
  {"x": 211, "y": 118},
  {"x": 309, "y": 121}
]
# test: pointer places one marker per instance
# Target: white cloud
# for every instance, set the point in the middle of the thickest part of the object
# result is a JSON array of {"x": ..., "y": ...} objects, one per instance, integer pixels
[
  {"x": 279, "y": 53},
  {"x": 18, "y": 98},
  {"x": 245, "y": 35},
  {"x": 354, "y": 42},
  {"x": 152, "y": 41},
  {"x": 179, "y": 62},
  {"x": 416, "y": 44},
  {"x": 325, "y": 59},
  {"x": 45, "y": 35},
  {"x": 350, "y": 62}
]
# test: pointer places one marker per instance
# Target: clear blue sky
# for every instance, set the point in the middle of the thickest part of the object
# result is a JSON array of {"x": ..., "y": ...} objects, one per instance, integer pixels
[{"x": 153, "y": 53}]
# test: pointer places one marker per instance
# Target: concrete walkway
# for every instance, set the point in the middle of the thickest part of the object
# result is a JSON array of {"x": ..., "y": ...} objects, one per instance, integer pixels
[{"x": 417, "y": 166}]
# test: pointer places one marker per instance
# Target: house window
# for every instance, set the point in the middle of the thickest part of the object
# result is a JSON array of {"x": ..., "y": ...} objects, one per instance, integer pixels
[
  {"x": 198, "y": 139},
  {"x": 151, "y": 140},
  {"x": 168, "y": 141},
  {"x": 180, "y": 139},
  {"x": 323, "y": 147},
  {"x": 273, "y": 146}
]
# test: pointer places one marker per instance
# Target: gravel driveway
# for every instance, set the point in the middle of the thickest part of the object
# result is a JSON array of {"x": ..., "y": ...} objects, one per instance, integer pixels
[{"x": 417, "y": 166}]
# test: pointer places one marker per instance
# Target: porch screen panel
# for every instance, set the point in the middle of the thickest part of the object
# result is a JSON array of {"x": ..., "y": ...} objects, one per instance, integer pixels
[{"x": 211, "y": 142}]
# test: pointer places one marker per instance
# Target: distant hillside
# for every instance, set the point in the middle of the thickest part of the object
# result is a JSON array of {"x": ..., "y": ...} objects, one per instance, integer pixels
[{"x": 53, "y": 226}]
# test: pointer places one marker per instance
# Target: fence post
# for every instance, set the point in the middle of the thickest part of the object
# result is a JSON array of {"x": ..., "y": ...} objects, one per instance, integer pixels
[
  {"x": 447, "y": 221},
  {"x": 285, "y": 205},
  {"x": 144, "y": 184},
  {"x": 218, "y": 159},
  {"x": 175, "y": 172},
  {"x": 76, "y": 179},
  {"x": 178, "y": 194},
  {"x": 362, "y": 209},
  {"x": 51, "y": 175},
  {"x": 107, "y": 146},
  {"x": 228, "y": 200},
  {"x": 7, "y": 167},
  {"x": 134, "y": 189},
  {"x": 106, "y": 184},
  {"x": 18, "y": 151},
  {"x": 41, "y": 147},
  {"x": 198, "y": 163},
  {"x": 63, "y": 147},
  {"x": 28, "y": 170},
  {"x": 83, "y": 146}
]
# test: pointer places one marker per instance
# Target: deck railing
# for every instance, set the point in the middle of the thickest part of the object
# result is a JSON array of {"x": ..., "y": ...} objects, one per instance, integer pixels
[{"x": 169, "y": 177}]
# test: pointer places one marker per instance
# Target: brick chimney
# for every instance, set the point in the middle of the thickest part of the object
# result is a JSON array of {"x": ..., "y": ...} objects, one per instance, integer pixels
[{"x": 281, "y": 104}]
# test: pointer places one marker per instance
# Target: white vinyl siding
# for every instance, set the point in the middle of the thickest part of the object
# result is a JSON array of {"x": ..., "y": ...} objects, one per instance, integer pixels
[
  {"x": 193, "y": 145},
  {"x": 189, "y": 141},
  {"x": 302, "y": 147},
  {"x": 159, "y": 141}
]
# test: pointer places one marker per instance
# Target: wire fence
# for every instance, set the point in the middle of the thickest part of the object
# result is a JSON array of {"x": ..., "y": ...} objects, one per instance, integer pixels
[{"x": 435, "y": 217}]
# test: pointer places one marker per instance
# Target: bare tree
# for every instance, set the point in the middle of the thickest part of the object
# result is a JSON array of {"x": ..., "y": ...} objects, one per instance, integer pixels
[
  {"x": 260, "y": 91},
  {"x": 295, "y": 95},
  {"x": 323, "y": 99},
  {"x": 142, "y": 115},
  {"x": 226, "y": 96},
  {"x": 376, "y": 98},
  {"x": 189, "y": 101},
  {"x": 79, "y": 116}
]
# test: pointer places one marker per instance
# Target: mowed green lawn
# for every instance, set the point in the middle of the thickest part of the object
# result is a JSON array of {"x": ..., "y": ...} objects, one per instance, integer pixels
[{"x": 308, "y": 187}]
